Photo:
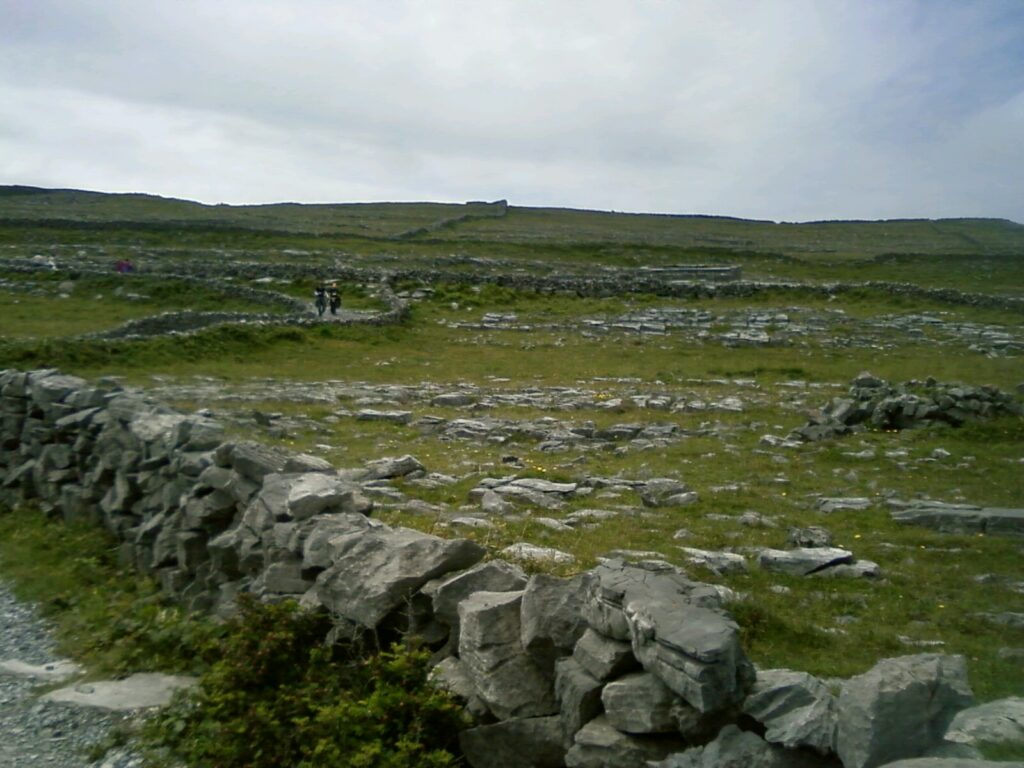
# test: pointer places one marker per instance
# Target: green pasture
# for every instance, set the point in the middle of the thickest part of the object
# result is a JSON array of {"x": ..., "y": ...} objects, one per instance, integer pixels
[{"x": 934, "y": 585}]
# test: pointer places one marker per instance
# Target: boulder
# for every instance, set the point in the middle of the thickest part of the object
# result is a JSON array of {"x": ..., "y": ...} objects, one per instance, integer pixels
[
  {"x": 451, "y": 675},
  {"x": 533, "y": 742},
  {"x": 995, "y": 722},
  {"x": 508, "y": 680},
  {"x": 804, "y": 560},
  {"x": 448, "y": 591},
  {"x": 676, "y": 628},
  {"x": 733, "y": 748},
  {"x": 578, "y": 694},
  {"x": 552, "y": 616},
  {"x": 315, "y": 492},
  {"x": 46, "y": 387},
  {"x": 796, "y": 709},
  {"x": 810, "y": 537},
  {"x": 312, "y": 538},
  {"x": 665, "y": 492},
  {"x": 639, "y": 703},
  {"x": 602, "y": 657},
  {"x": 900, "y": 708},
  {"x": 255, "y": 461},
  {"x": 599, "y": 745},
  {"x": 377, "y": 570},
  {"x": 531, "y": 553},
  {"x": 837, "y": 504},
  {"x": 717, "y": 562},
  {"x": 695, "y": 651},
  {"x": 391, "y": 467}
]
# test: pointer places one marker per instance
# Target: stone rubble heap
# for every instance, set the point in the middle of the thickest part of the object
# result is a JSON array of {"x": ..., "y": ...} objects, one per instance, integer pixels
[
  {"x": 624, "y": 665},
  {"x": 874, "y": 403}
]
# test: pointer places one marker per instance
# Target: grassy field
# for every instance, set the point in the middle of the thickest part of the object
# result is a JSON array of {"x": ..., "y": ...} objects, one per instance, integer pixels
[{"x": 935, "y": 586}]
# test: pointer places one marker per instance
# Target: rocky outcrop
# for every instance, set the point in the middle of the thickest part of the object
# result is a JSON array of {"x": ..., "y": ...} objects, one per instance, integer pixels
[
  {"x": 959, "y": 518},
  {"x": 876, "y": 404},
  {"x": 900, "y": 708}
]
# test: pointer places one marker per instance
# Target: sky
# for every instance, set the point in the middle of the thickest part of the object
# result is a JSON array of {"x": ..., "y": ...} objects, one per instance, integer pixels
[{"x": 788, "y": 110}]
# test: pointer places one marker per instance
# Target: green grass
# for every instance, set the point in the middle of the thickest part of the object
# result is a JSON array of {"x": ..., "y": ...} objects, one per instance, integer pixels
[
  {"x": 110, "y": 618},
  {"x": 100, "y": 303},
  {"x": 934, "y": 584}
]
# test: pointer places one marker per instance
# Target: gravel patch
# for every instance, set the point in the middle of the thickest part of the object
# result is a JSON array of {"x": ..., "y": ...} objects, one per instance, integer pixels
[{"x": 36, "y": 733}]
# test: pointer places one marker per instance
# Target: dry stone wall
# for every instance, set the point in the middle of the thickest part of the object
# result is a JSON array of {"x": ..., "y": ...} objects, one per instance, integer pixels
[{"x": 624, "y": 665}]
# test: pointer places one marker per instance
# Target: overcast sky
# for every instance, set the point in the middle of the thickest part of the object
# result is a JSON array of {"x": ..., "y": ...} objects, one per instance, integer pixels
[{"x": 774, "y": 109}]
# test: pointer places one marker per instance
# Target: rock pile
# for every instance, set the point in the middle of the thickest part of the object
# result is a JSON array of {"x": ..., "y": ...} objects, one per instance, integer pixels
[
  {"x": 874, "y": 403},
  {"x": 625, "y": 665}
]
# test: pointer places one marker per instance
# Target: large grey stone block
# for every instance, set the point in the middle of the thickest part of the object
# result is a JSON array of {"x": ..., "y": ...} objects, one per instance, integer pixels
[
  {"x": 639, "y": 703},
  {"x": 604, "y": 658},
  {"x": 505, "y": 676},
  {"x": 578, "y": 694},
  {"x": 599, "y": 745},
  {"x": 553, "y": 616},
  {"x": 533, "y": 742},
  {"x": 492, "y": 576},
  {"x": 797, "y": 709},
  {"x": 733, "y": 748},
  {"x": 376, "y": 570},
  {"x": 900, "y": 708}
]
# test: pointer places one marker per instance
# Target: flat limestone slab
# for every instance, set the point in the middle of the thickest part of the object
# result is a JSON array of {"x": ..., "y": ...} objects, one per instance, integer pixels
[
  {"x": 140, "y": 691},
  {"x": 54, "y": 671}
]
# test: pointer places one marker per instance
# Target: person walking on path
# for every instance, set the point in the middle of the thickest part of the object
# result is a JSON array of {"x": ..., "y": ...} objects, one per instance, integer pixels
[
  {"x": 335, "y": 298},
  {"x": 320, "y": 297}
]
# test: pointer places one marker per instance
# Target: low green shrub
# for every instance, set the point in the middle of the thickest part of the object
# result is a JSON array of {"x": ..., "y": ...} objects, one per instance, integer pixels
[{"x": 279, "y": 696}]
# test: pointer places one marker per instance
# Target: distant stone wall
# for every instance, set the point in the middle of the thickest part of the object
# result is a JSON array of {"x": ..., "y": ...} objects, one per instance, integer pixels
[
  {"x": 618, "y": 666},
  {"x": 696, "y": 272},
  {"x": 605, "y": 282}
]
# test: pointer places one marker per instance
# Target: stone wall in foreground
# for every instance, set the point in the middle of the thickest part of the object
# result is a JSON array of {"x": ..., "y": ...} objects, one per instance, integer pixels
[{"x": 624, "y": 665}]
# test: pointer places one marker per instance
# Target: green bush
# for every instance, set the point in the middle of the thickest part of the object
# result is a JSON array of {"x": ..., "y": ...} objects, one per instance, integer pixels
[{"x": 278, "y": 696}]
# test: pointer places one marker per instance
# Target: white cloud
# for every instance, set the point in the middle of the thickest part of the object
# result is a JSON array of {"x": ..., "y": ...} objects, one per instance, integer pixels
[{"x": 790, "y": 109}]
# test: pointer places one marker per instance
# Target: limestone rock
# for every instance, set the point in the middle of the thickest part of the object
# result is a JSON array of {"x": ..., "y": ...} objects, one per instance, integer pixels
[
  {"x": 733, "y": 748},
  {"x": 599, "y": 745},
  {"x": 803, "y": 561},
  {"x": 695, "y": 651},
  {"x": 665, "y": 492},
  {"x": 639, "y": 703},
  {"x": 899, "y": 708},
  {"x": 995, "y": 722},
  {"x": 797, "y": 710},
  {"x": 613, "y": 583},
  {"x": 312, "y": 493},
  {"x": 492, "y": 576},
  {"x": 451, "y": 675},
  {"x": 376, "y": 570},
  {"x": 676, "y": 629},
  {"x": 140, "y": 691},
  {"x": 255, "y": 461},
  {"x": 578, "y": 694},
  {"x": 505, "y": 676},
  {"x": 532, "y": 553},
  {"x": 718, "y": 562},
  {"x": 552, "y": 618},
  {"x": 382, "y": 469},
  {"x": 533, "y": 742},
  {"x": 313, "y": 537},
  {"x": 602, "y": 657}
]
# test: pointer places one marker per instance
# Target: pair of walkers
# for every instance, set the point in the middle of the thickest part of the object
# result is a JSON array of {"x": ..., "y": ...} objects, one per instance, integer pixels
[{"x": 327, "y": 296}]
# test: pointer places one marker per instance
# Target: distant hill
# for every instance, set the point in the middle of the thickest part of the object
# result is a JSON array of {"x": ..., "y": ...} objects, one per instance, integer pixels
[{"x": 479, "y": 222}]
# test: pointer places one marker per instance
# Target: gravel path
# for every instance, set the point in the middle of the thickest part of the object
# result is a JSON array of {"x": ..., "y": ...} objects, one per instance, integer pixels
[{"x": 35, "y": 733}]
